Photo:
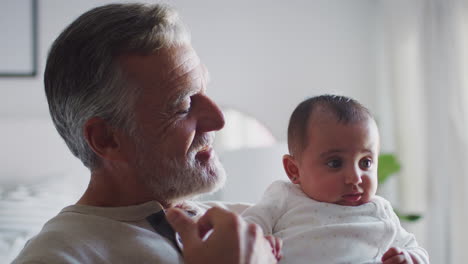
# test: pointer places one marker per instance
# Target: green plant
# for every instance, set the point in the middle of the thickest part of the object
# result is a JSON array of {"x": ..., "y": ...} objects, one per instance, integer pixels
[{"x": 389, "y": 165}]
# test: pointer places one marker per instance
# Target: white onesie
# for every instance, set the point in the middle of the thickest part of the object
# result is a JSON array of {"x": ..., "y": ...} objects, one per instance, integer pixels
[{"x": 317, "y": 232}]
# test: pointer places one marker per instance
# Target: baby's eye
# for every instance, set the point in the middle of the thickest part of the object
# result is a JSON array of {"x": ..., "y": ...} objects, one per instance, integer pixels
[
  {"x": 336, "y": 163},
  {"x": 365, "y": 163}
]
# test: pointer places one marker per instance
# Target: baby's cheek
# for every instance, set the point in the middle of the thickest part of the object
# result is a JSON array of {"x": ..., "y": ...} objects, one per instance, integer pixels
[{"x": 370, "y": 185}]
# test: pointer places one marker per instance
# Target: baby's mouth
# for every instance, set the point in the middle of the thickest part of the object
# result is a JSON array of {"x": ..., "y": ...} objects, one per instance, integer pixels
[{"x": 352, "y": 197}]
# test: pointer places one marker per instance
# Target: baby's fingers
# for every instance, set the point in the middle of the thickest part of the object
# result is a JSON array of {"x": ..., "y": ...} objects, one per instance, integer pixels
[
  {"x": 395, "y": 256},
  {"x": 393, "y": 251},
  {"x": 279, "y": 246},
  {"x": 276, "y": 245},
  {"x": 398, "y": 259}
]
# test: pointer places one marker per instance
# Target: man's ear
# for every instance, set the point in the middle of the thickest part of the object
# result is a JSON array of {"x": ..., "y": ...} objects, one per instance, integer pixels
[
  {"x": 103, "y": 139},
  {"x": 291, "y": 168}
]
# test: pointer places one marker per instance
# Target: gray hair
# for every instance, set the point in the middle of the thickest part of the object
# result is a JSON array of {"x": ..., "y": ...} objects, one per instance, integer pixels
[{"x": 82, "y": 77}]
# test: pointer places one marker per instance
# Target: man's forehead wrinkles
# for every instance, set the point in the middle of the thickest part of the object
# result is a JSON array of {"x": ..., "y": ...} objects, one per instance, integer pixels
[
  {"x": 188, "y": 77},
  {"x": 190, "y": 63},
  {"x": 186, "y": 84}
]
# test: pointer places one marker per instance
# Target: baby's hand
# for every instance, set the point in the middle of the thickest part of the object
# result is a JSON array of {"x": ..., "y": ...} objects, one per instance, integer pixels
[
  {"x": 276, "y": 245},
  {"x": 396, "y": 255}
]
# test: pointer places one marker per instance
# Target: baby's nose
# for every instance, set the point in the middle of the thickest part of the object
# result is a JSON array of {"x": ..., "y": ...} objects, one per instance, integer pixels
[{"x": 353, "y": 177}]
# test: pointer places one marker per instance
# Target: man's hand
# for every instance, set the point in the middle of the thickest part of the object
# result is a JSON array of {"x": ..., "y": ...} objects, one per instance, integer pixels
[
  {"x": 396, "y": 256},
  {"x": 231, "y": 241}
]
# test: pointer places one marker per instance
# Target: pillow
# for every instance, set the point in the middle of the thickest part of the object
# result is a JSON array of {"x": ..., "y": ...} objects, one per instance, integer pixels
[{"x": 25, "y": 208}]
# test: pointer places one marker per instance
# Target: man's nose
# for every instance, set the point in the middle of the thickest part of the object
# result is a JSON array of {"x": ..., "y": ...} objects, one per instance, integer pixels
[
  {"x": 353, "y": 176},
  {"x": 211, "y": 117}
]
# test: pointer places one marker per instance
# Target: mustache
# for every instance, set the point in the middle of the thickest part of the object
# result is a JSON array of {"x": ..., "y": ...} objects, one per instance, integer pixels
[{"x": 206, "y": 139}]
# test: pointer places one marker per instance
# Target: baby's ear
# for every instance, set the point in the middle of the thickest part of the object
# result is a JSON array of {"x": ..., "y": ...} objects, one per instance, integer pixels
[{"x": 291, "y": 168}]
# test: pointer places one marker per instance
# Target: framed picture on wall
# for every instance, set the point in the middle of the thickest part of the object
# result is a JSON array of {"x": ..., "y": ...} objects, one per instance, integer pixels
[{"x": 18, "y": 33}]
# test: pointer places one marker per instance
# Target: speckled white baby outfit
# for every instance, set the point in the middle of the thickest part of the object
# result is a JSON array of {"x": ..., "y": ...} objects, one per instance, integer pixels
[{"x": 317, "y": 232}]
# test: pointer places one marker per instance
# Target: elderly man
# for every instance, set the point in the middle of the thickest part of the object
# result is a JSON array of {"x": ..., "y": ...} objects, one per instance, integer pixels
[{"x": 127, "y": 93}]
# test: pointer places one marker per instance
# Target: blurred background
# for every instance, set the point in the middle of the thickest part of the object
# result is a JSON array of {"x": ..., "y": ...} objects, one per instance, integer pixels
[{"x": 406, "y": 60}]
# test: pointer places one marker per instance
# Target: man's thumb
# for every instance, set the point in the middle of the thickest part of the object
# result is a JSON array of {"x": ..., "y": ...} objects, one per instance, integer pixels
[{"x": 183, "y": 225}]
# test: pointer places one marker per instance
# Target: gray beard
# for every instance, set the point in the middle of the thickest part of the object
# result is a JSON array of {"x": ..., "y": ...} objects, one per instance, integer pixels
[{"x": 171, "y": 180}]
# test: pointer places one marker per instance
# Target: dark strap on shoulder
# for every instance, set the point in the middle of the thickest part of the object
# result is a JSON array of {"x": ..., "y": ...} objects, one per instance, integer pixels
[{"x": 161, "y": 226}]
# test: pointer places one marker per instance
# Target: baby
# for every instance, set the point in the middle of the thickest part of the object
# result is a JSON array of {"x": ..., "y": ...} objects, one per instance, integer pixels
[{"x": 329, "y": 212}]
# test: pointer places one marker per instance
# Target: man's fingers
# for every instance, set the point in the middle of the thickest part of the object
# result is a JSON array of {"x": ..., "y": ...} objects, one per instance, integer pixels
[
  {"x": 217, "y": 217},
  {"x": 232, "y": 240},
  {"x": 204, "y": 225},
  {"x": 183, "y": 225}
]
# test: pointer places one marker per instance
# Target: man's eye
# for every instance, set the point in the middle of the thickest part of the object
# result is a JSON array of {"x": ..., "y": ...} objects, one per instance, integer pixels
[
  {"x": 365, "y": 163},
  {"x": 334, "y": 163},
  {"x": 183, "y": 112},
  {"x": 185, "y": 107}
]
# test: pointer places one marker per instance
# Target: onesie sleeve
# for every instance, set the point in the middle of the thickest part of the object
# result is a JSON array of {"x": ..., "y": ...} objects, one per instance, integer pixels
[
  {"x": 405, "y": 240},
  {"x": 269, "y": 209}
]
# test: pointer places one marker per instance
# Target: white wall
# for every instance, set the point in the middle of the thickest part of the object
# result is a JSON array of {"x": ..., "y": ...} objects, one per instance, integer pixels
[{"x": 264, "y": 56}]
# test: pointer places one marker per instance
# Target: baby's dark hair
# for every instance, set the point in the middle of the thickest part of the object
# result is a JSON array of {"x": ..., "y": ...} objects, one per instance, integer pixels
[{"x": 344, "y": 109}]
